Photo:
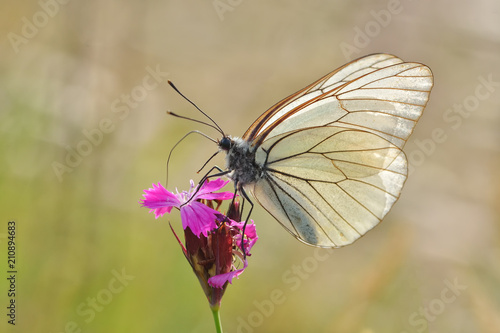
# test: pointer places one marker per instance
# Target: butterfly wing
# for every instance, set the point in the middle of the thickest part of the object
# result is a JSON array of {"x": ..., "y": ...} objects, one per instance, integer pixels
[
  {"x": 329, "y": 185},
  {"x": 378, "y": 93},
  {"x": 332, "y": 152}
]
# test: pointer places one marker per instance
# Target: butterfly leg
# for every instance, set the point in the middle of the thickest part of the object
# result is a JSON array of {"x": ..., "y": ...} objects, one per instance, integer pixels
[
  {"x": 207, "y": 176},
  {"x": 247, "y": 198}
]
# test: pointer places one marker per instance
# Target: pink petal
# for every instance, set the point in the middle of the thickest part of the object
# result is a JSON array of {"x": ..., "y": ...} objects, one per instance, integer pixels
[
  {"x": 207, "y": 189},
  {"x": 198, "y": 217},
  {"x": 216, "y": 196},
  {"x": 159, "y": 197},
  {"x": 250, "y": 232},
  {"x": 160, "y": 211},
  {"x": 218, "y": 281},
  {"x": 213, "y": 185}
]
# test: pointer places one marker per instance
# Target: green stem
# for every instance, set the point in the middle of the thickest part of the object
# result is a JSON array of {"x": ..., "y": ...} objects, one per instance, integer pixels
[{"x": 216, "y": 313}]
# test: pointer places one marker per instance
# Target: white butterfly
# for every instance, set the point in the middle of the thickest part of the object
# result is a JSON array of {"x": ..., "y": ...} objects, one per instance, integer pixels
[{"x": 327, "y": 161}]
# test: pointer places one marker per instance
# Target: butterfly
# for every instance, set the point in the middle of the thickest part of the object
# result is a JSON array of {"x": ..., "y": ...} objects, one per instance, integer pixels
[{"x": 327, "y": 162}]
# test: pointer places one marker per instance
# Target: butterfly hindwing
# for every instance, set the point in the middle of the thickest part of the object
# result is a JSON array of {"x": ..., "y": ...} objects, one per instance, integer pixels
[{"x": 329, "y": 185}]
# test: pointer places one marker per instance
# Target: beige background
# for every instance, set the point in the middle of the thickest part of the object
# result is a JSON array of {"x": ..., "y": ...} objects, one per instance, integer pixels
[{"x": 66, "y": 70}]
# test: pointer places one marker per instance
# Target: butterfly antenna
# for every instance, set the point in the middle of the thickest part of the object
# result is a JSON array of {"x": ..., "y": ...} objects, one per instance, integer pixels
[
  {"x": 170, "y": 113},
  {"x": 185, "y": 136},
  {"x": 203, "y": 113}
]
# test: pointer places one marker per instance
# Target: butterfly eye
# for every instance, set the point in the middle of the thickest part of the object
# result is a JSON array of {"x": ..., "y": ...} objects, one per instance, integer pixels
[{"x": 225, "y": 143}]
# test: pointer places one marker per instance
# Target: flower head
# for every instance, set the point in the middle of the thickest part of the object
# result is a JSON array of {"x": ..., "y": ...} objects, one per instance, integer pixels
[
  {"x": 212, "y": 240},
  {"x": 195, "y": 215}
]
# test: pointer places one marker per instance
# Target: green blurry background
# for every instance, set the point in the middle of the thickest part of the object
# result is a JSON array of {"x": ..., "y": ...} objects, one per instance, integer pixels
[{"x": 66, "y": 70}]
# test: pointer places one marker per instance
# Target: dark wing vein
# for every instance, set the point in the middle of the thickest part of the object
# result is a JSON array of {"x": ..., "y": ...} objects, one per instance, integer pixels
[{"x": 302, "y": 207}]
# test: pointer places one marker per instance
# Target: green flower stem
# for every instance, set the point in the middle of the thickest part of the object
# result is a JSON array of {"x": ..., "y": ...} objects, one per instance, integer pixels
[{"x": 216, "y": 313}]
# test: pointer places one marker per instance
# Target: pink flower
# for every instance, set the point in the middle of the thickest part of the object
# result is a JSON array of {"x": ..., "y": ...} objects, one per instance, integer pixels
[
  {"x": 213, "y": 240},
  {"x": 195, "y": 215}
]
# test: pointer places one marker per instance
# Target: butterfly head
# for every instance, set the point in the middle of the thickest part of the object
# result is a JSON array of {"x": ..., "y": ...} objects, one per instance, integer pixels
[{"x": 225, "y": 143}]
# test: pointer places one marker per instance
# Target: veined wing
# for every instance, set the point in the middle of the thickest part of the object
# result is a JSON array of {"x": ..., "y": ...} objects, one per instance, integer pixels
[
  {"x": 378, "y": 93},
  {"x": 340, "y": 76},
  {"x": 329, "y": 185}
]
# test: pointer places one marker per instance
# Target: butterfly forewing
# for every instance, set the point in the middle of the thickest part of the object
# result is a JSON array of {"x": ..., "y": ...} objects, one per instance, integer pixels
[
  {"x": 327, "y": 84},
  {"x": 331, "y": 153}
]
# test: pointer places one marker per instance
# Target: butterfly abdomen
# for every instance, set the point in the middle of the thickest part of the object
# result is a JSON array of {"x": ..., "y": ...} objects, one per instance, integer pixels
[{"x": 240, "y": 160}]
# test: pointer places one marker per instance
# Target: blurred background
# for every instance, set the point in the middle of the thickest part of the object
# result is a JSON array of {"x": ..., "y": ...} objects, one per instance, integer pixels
[{"x": 83, "y": 130}]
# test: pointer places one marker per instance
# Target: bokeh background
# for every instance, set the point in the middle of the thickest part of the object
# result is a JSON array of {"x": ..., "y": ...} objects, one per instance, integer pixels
[{"x": 83, "y": 130}]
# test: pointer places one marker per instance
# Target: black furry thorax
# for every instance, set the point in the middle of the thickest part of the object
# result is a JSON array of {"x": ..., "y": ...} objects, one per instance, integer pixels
[{"x": 240, "y": 160}]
